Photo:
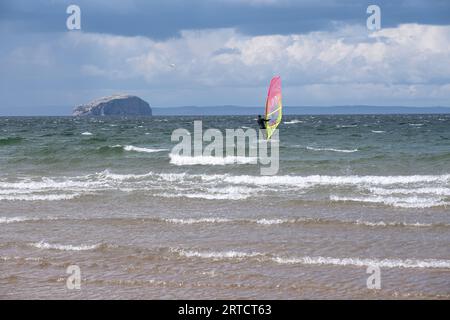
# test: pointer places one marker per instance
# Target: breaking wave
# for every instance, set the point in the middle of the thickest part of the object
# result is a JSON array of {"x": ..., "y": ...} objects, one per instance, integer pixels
[
  {"x": 7, "y": 220},
  {"x": 61, "y": 247},
  {"x": 197, "y": 221},
  {"x": 262, "y": 222},
  {"x": 319, "y": 260},
  {"x": 360, "y": 262},
  {"x": 302, "y": 221},
  {"x": 140, "y": 149},
  {"x": 215, "y": 255},
  {"x": 293, "y": 121},
  {"x": 210, "y": 160},
  {"x": 400, "y": 202},
  {"x": 332, "y": 150},
  {"x": 36, "y": 197},
  {"x": 413, "y": 191}
]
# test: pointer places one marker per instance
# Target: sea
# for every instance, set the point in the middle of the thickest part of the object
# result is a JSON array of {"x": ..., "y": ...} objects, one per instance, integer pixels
[{"x": 359, "y": 209}]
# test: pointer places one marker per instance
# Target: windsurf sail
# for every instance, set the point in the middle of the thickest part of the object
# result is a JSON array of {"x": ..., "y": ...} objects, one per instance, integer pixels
[{"x": 273, "y": 106}]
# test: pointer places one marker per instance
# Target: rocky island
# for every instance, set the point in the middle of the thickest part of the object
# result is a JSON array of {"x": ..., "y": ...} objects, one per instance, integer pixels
[{"x": 116, "y": 105}]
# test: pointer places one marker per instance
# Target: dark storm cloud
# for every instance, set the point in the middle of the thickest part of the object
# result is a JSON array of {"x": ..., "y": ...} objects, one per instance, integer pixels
[{"x": 165, "y": 18}]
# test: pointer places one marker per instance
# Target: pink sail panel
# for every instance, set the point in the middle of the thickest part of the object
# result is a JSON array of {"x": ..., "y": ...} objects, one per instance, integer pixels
[{"x": 273, "y": 106}]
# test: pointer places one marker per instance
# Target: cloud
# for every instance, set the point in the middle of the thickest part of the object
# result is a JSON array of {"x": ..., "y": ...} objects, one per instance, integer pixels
[
  {"x": 405, "y": 65},
  {"x": 409, "y": 54}
]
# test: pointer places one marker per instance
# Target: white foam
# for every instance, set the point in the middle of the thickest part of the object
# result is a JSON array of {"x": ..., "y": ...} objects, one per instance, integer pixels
[
  {"x": 392, "y": 224},
  {"x": 263, "y": 221},
  {"x": 13, "y": 219},
  {"x": 407, "y": 191},
  {"x": 307, "y": 260},
  {"x": 293, "y": 121},
  {"x": 360, "y": 262},
  {"x": 197, "y": 220},
  {"x": 215, "y": 255},
  {"x": 99, "y": 180},
  {"x": 273, "y": 221},
  {"x": 140, "y": 149},
  {"x": 106, "y": 175},
  {"x": 46, "y": 184},
  {"x": 48, "y": 246},
  {"x": 210, "y": 160},
  {"x": 400, "y": 202},
  {"x": 23, "y": 219},
  {"x": 332, "y": 149},
  {"x": 86, "y": 133},
  {"x": 35, "y": 197},
  {"x": 323, "y": 180},
  {"x": 378, "y": 131},
  {"x": 225, "y": 193},
  {"x": 203, "y": 195},
  {"x": 433, "y": 191}
]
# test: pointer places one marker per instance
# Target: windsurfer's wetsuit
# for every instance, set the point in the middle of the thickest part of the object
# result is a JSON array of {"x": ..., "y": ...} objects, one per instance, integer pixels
[{"x": 262, "y": 123}]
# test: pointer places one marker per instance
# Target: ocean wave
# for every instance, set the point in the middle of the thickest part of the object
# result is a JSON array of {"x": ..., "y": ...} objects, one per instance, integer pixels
[
  {"x": 378, "y": 131},
  {"x": 318, "y": 260},
  {"x": 206, "y": 196},
  {"x": 140, "y": 149},
  {"x": 261, "y": 222},
  {"x": 225, "y": 193},
  {"x": 302, "y": 221},
  {"x": 119, "y": 149},
  {"x": 61, "y": 247},
  {"x": 293, "y": 121},
  {"x": 110, "y": 150},
  {"x": 332, "y": 149},
  {"x": 8, "y": 220},
  {"x": 400, "y": 202},
  {"x": 324, "y": 180},
  {"x": 413, "y": 191},
  {"x": 360, "y": 262},
  {"x": 197, "y": 221},
  {"x": 440, "y": 191},
  {"x": 210, "y": 160},
  {"x": 13, "y": 219},
  {"x": 215, "y": 255},
  {"x": 87, "y": 133},
  {"x": 35, "y": 197},
  {"x": 267, "y": 221},
  {"x": 10, "y": 141},
  {"x": 394, "y": 224},
  {"x": 102, "y": 178}
]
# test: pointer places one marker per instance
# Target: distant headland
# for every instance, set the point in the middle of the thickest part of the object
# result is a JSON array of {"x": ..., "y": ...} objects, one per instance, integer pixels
[{"x": 115, "y": 105}]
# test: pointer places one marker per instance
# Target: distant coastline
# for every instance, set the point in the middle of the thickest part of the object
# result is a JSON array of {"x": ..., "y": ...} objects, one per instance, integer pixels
[
  {"x": 240, "y": 110},
  {"x": 339, "y": 110}
]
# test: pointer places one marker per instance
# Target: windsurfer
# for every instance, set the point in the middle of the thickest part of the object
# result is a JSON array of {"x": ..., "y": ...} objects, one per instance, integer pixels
[{"x": 262, "y": 122}]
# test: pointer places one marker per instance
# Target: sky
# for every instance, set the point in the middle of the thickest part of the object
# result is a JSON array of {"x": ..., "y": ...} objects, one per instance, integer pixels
[{"x": 223, "y": 52}]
